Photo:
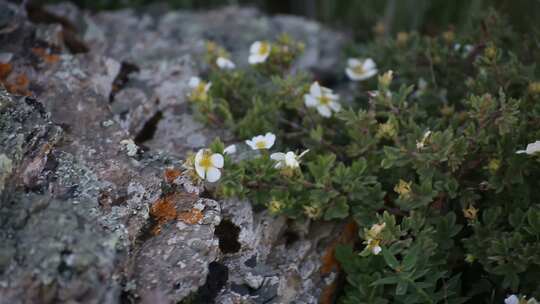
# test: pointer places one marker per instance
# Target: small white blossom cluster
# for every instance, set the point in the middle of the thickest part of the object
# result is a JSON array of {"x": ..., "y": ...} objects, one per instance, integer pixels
[
  {"x": 323, "y": 99},
  {"x": 513, "y": 299},
  {"x": 208, "y": 165},
  {"x": 531, "y": 149}
]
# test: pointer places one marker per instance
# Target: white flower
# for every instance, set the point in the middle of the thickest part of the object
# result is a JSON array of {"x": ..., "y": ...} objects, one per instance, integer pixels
[
  {"x": 262, "y": 141},
  {"x": 130, "y": 146},
  {"x": 259, "y": 52},
  {"x": 374, "y": 246},
  {"x": 289, "y": 159},
  {"x": 323, "y": 99},
  {"x": 199, "y": 88},
  {"x": 532, "y": 148},
  {"x": 230, "y": 149},
  {"x": 207, "y": 165},
  {"x": 512, "y": 299},
  {"x": 376, "y": 93},
  {"x": 421, "y": 88},
  {"x": 358, "y": 69},
  {"x": 225, "y": 64},
  {"x": 420, "y": 144}
]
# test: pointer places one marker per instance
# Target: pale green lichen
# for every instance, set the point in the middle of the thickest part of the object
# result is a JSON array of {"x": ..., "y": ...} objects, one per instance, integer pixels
[{"x": 6, "y": 166}]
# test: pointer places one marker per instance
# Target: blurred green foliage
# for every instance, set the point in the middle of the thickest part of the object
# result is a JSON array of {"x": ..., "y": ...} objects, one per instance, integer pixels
[{"x": 360, "y": 16}]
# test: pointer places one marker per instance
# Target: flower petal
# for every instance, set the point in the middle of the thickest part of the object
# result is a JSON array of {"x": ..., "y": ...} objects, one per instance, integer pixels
[
  {"x": 315, "y": 90},
  {"x": 251, "y": 144},
  {"x": 512, "y": 299},
  {"x": 324, "y": 111},
  {"x": 230, "y": 149},
  {"x": 310, "y": 101},
  {"x": 194, "y": 82},
  {"x": 336, "y": 106},
  {"x": 217, "y": 160},
  {"x": 255, "y": 46},
  {"x": 270, "y": 140},
  {"x": 352, "y": 62},
  {"x": 277, "y": 156},
  {"x": 213, "y": 174},
  {"x": 368, "y": 64},
  {"x": 351, "y": 74}
]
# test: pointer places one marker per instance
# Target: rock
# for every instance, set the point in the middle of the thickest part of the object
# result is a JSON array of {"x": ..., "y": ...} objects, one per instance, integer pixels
[{"x": 93, "y": 126}]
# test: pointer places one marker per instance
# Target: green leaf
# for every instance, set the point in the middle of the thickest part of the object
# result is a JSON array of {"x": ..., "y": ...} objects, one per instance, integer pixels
[
  {"x": 533, "y": 219},
  {"x": 401, "y": 288},
  {"x": 321, "y": 167},
  {"x": 217, "y": 146},
  {"x": 387, "y": 281},
  {"x": 390, "y": 259},
  {"x": 411, "y": 258},
  {"x": 339, "y": 210}
]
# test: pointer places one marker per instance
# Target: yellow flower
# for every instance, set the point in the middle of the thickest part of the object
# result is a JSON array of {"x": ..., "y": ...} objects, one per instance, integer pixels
[
  {"x": 386, "y": 78},
  {"x": 534, "y": 87},
  {"x": 403, "y": 188},
  {"x": 373, "y": 245},
  {"x": 373, "y": 238},
  {"x": 275, "y": 206},
  {"x": 470, "y": 213},
  {"x": 386, "y": 130},
  {"x": 490, "y": 52},
  {"x": 449, "y": 36},
  {"x": 375, "y": 230},
  {"x": 402, "y": 38},
  {"x": 494, "y": 165},
  {"x": 199, "y": 89},
  {"x": 469, "y": 258},
  {"x": 312, "y": 212}
]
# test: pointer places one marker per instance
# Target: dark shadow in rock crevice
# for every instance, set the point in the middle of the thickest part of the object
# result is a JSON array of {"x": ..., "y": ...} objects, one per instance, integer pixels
[
  {"x": 38, "y": 14},
  {"x": 149, "y": 129},
  {"x": 218, "y": 275},
  {"x": 122, "y": 78},
  {"x": 227, "y": 233}
]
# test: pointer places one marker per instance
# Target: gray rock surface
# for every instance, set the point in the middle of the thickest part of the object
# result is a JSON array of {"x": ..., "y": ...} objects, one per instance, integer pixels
[{"x": 88, "y": 217}]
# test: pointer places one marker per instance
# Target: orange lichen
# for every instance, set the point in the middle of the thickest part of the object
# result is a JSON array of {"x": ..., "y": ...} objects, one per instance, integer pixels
[
  {"x": 45, "y": 55},
  {"x": 191, "y": 217},
  {"x": 330, "y": 263},
  {"x": 163, "y": 211},
  {"x": 347, "y": 236},
  {"x": 19, "y": 86},
  {"x": 328, "y": 294},
  {"x": 171, "y": 174},
  {"x": 5, "y": 70}
]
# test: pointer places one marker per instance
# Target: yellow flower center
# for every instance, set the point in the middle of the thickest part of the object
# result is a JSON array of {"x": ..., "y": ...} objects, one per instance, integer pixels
[
  {"x": 199, "y": 92},
  {"x": 358, "y": 69},
  {"x": 264, "y": 48},
  {"x": 206, "y": 161},
  {"x": 403, "y": 188},
  {"x": 324, "y": 100},
  {"x": 470, "y": 213},
  {"x": 372, "y": 243},
  {"x": 275, "y": 206},
  {"x": 260, "y": 144}
]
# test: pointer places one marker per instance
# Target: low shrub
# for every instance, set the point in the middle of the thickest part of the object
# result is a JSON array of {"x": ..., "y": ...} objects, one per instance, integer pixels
[{"x": 422, "y": 148}]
